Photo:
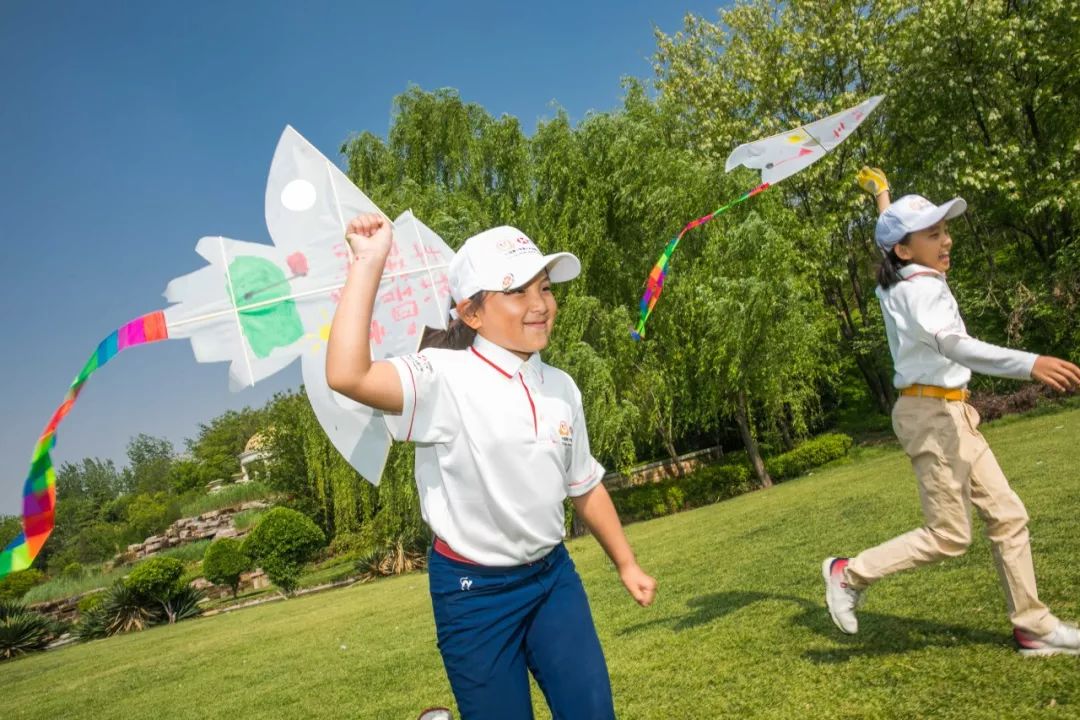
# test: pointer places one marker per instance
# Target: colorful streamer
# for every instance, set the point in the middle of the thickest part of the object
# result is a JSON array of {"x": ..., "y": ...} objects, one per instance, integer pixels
[
  {"x": 655, "y": 284},
  {"x": 39, "y": 491}
]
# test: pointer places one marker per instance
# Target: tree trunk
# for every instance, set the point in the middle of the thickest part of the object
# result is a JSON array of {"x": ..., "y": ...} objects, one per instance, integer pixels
[
  {"x": 742, "y": 416},
  {"x": 787, "y": 434},
  {"x": 676, "y": 466}
]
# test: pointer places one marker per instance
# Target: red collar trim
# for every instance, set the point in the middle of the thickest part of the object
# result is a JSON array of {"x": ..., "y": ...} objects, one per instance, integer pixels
[{"x": 489, "y": 362}]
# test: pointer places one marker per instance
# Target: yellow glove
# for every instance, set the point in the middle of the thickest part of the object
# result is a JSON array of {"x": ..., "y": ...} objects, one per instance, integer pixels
[{"x": 873, "y": 180}]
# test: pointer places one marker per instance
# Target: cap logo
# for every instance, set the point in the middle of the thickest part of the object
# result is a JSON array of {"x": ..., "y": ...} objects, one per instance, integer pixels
[
  {"x": 920, "y": 204},
  {"x": 508, "y": 280},
  {"x": 504, "y": 245}
]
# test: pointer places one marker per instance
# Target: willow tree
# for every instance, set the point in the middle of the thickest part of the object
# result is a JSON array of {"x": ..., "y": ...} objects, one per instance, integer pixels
[{"x": 752, "y": 311}]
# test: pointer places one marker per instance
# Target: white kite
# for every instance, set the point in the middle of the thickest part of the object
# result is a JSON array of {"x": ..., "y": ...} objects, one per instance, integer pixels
[{"x": 259, "y": 307}]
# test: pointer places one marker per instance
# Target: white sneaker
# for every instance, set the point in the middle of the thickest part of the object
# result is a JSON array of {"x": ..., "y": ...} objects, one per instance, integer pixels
[
  {"x": 436, "y": 713},
  {"x": 1062, "y": 640},
  {"x": 839, "y": 597}
]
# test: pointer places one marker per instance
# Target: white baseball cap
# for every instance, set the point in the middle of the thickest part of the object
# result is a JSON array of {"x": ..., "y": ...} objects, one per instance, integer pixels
[
  {"x": 504, "y": 258},
  {"x": 912, "y": 213}
]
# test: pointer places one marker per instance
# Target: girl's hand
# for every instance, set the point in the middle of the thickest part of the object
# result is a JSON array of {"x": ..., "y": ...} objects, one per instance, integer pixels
[
  {"x": 872, "y": 180},
  {"x": 370, "y": 237},
  {"x": 1059, "y": 374},
  {"x": 640, "y": 586}
]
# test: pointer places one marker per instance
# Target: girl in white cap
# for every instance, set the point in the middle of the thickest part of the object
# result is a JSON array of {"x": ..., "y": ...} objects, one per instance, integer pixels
[
  {"x": 933, "y": 357},
  {"x": 500, "y": 442}
]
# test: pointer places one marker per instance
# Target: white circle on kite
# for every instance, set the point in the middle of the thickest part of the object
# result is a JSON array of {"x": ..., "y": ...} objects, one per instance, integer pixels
[{"x": 299, "y": 195}]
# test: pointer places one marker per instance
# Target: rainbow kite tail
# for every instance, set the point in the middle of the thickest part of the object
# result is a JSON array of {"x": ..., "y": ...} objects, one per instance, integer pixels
[
  {"x": 39, "y": 491},
  {"x": 654, "y": 285}
]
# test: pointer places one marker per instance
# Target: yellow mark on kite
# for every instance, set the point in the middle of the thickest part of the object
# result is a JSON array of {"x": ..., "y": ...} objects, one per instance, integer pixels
[{"x": 321, "y": 335}]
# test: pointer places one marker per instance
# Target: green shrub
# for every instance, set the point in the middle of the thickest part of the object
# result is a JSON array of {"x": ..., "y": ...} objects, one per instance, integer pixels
[
  {"x": 281, "y": 543},
  {"x": 92, "y": 624},
  {"x": 120, "y": 610},
  {"x": 705, "y": 486},
  {"x": 649, "y": 501},
  {"x": 17, "y": 584},
  {"x": 811, "y": 454},
  {"x": 21, "y": 630},
  {"x": 727, "y": 479},
  {"x": 156, "y": 584},
  {"x": 11, "y": 607},
  {"x": 735, "y": 457},
  {"x": 184, "y": 604},
  {"x": 89, "y": 601},
  {"x": 224, "y": 562},
  {"x": 153, "y": 597},
  {"x": 716, "y": 482},
  {"x": 401, "y": 556},
  {"x": 156, "y": 578}
]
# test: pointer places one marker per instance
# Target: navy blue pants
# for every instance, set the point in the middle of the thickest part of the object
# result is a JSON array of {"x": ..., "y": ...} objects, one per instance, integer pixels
[{"x": 495, "y": 625}]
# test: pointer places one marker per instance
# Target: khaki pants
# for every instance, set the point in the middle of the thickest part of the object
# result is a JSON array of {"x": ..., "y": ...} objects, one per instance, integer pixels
[{"x": 956, "y": 470}]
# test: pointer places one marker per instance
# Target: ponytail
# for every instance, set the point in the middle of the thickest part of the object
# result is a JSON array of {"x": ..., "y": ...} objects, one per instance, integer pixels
[
  {"x": 888, "y": 273},
  {"x": 457, "y": 335}
]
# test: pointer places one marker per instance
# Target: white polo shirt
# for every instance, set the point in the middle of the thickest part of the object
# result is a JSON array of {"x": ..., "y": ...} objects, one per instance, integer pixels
[
  {"x": 928, "y": 340},
  {"x": 500, "y": 443}
]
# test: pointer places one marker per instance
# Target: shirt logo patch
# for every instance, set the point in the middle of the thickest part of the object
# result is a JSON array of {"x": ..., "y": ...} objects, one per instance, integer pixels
[
  {"x": 466, "y": 584},
  {"x": 566, "y": 433}
]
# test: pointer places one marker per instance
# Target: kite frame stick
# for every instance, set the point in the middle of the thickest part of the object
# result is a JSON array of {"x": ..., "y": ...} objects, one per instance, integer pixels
[{"x": 294, "y": 296}]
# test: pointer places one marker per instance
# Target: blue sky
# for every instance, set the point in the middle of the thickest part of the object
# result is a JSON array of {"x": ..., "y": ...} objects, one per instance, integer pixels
[{"x": 130, "y": 130}]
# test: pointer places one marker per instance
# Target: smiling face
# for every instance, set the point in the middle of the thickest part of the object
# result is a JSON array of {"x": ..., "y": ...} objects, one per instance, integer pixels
[
  {"x": 519, "y": 320},
  {"x": 929, "y": 247}
]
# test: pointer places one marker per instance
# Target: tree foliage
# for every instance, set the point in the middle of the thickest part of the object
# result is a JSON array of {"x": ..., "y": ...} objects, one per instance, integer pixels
[
  {"x": 224, "y": 563},
  {"x": 218, "y": 445}
]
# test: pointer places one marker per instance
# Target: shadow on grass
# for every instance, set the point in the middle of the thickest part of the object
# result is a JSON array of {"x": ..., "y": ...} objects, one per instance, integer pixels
[{"x": 879, "y": 635}]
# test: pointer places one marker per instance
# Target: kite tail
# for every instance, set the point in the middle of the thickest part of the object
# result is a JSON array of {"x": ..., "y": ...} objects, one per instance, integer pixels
[
  {"x": 39, "y": 491},
  {"x": 654, "y": 285}
]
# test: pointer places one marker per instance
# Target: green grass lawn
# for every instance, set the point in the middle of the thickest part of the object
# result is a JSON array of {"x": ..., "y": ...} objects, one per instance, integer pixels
[{"x": 738, "y": 630}]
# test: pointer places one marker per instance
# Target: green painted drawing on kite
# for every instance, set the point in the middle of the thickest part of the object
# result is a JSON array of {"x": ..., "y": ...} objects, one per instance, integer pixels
[{"x": 254, "y": 281}]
